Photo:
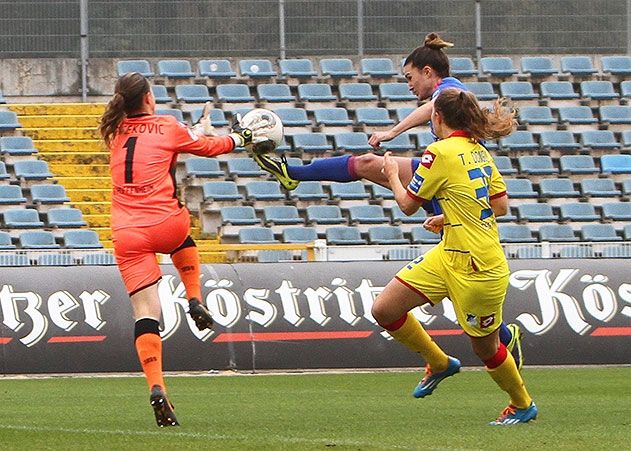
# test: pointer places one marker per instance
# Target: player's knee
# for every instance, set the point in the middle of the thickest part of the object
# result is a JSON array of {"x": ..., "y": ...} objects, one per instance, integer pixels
[
  {"x": 381, "y": 313},
  {"x": 367, "y": 163}
]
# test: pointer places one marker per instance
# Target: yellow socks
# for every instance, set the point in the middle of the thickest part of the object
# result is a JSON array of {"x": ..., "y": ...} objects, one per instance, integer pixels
[{"x": 501, "y": 367}]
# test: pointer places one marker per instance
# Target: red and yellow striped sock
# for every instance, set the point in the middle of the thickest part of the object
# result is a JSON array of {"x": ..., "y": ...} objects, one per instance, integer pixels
[{"x": 501, "y": 367}]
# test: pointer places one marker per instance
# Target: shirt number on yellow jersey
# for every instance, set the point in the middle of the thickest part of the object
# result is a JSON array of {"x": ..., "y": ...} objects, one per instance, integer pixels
[{"x": 484, "y": 174}]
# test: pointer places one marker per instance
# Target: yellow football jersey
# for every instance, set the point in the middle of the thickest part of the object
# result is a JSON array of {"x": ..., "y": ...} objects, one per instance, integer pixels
[{"x": 462, "y": 176}]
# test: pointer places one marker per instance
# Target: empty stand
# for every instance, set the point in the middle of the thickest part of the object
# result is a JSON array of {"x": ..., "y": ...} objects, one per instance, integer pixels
[
  {"x": 536, "y": 165},
  {"x": 234, "y": 93},
  {"x": 483, "y": 90},
  {"x": 356, "y": 92},
  {"x": 352, "y": 142},
  {"x": 21, "y": 218},
  {"x": 315, "y": 92},
  {"x": 615, "y": 164},
  {"x": 557, "y": 232},
  {"x": 377, "y": 67},
  {"x": 373, "y": 117},
  {"x": 386, "y": 235},
  {"x": 299, "y": 234},
  {"x": 616, "y": 65},
  {"x": 161, "y": 94},
  {"x": 192, "y": 94},
  {"x": 141, "y": 66},
  {"x": 81, "y": 239},
  {"x": 344, "y": 235},
  {"x": 497, "y": 66},
  {"x": 419, "y": 235},
  {"x": 8, "y": 121},
  {"x": 337, "y": 68},
  {"x": 216, "y": 69},
  {"x": 37, "y": 239},
  {"x": 65, "y": 217},
  {"x": 257, "y": 68},
  {"x": 578, "y": 211},
  {"x": 275, "y": 93},
  {"x": 177, "y": 69},
  {"x": 599, "y": 232},
  {"x": 462, "y": 67},
  {"x": 311, "y": 143},
  {"x": 257, "y": 235},
  {"x": 297, "y": 68},
  {"x": 538, "y": 66},
  {"x": 281, "y": 215},
  {"x": 578, "y": 66}
]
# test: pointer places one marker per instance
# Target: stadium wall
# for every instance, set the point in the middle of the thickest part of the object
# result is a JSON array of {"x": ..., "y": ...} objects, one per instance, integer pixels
[{"x": 298, "y": 316}]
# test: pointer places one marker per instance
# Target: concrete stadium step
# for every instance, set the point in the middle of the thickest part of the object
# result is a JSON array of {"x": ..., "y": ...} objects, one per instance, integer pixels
[
  {"x": 66, "y": 121},
  {"x": 39, "y": 109},
  {"x": 98, "y": 220},
  {"x": 69, "y": 145},
  {"x": 79, "y": 170},
  {"x": 85, "y": 182},
  {"x": 76, "y": 157},
  {"x": 93, "y": 207},
  {"x": 88, "y": 194},
  {"x": 57, "y": 133}
]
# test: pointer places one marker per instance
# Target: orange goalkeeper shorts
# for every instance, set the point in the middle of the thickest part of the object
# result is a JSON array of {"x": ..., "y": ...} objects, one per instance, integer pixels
[{"x": 135, "y": 249}]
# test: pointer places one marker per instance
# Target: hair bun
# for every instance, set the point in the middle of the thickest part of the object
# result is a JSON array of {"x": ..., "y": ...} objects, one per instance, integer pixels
[{"x": 433, "y": 41}]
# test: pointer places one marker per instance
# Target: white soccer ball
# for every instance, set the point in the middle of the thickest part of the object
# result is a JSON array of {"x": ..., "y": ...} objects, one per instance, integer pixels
[{"x": 265, "y": 125}]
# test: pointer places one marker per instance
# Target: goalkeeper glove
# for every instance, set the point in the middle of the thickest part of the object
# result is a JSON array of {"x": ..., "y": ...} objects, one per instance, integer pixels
[{"x": 242, "y": 136}]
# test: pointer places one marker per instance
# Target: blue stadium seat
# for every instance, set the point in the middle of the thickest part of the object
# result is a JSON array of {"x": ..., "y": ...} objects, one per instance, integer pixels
[
  {"x": 141, "y": 66},
  {"x": 293, "y": 117},
  {"x": 519, "y": 140},
  {"x": 337, "y": 67},
  {"x": 308, "y": 191},
  {"x": 22, "y": 218},
  {"x": 216, "y": 69},
  {"x": 599, "y": 232},
  {"x": 381, "y": 192},
  {"x": 55, "y": 259},
  {"x": 348, "y": 191},
  {"x": 256, "y": 235},
  {"x": 616, "y": 65},
  {"x": 315, "y": 92},
  {"x": 536, "y": 165},
  {"x": 244, "y": 167},
  {"x": 161, "y": 94},
  {"x": 578, "y": 211},
  {"x": 403, "y": 112},
  {"x": 352, "y": 142},
  {"x": 239, "y": 215},
  {"x": 536, "y": 115},
  {"x": 192, "y": 94},
  {"x": 367, "y": 214},
  {"x": 557, "y": 232},
  {"x": 557, "y": 188},
  {"x": 626, "y": 139},
  {"x": 576, "y": 252},
  {"x": 627, "y": 232},
  {"x": 578, "y": 164},
  {"x": 424, "y": 139},
  {"x": 504, "y": 165},
  {"x": 462, "y": 67},
  {"x": 177, "y": 114},
  {"x": 377, "y": 67},
  {"x": 598, "y": 139},
  {"x": 17, "y": 145},
  {"x": 311, "y": 143},
  {"x": 536, "y": 213},
  {"x": 81, "y": 239},
  {"x": 400, "y": 143},
  {"x": 483, "y": 90},
  {"x": 386, "y": 235},
  {"x": 202, "y": 167},
  {"x": 299, "y": 235},
  {"x": 277, "y": 92},
  {"x": 538, "y": 66},
  {"x": 257, "y": 68},
  {"x": 420, "y": 235},
  {"x": 617, "y": 211},
  {"x": 8, "y": 121},
  {"x": 497, "y": 66},
  {"x": 221, "y": 190},
  {"x": 332, "y": 116},
  {"x": 297, "y": 68},
  {"x": 64, "y": 217},
  {"x": 11, "y": 195},
  {"x": 518, "y": 90},
  {"x": 98, "y": 259},
  {"x": 6, "y": 243},
  {"x": 626, "y": 187},
  {"x": 4, "y": 175},
  {"x": 615, "y": 164},
  {"x": 398, "y": 217},
  {"x": 234, "y": 93},
  {"x": 175, "y": 69},
  {"x": 356, "y": 92},
  {"x": 615, "y": 114},
  {"x": 324, "y": 214},
  {"x": 519, "y": 188},
  {"x": 558, "y": 90},
  {"x": 576, "y": 115},
  {"x": 396, "y": 92},
  {"x": 373, "y": 116},
  {"x": 344, "y": 235},
  {"x": 559, "y": 140},
  {"x": 598, "y": 90},
  {"x": 14, "y": 260},
  {"x": 625, "y": 89},
  {"x": 37, "y": 239},
  {"x": 274, "y": 256},
  {"x": 577, "y": 65},
  {"x": 281, "y": 214},
  {"x": 599, "y": 188},
  {"x": 264, "y": 190}
]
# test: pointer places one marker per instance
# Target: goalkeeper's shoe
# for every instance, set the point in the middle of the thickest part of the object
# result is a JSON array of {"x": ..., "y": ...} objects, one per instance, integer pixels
[
  {"x": 513, "y": 415},
  {"x": 431, "y": 380},
  {"x": 200, "y": 314},
  {"x": 276, "y": 167},
  {"x": 514, "y": 345},
  {"x": 162, "y": 408}
]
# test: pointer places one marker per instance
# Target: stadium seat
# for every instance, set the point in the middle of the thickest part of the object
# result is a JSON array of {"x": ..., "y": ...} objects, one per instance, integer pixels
[
  {"x": 625, "y": 139},
  {"x": 557, "y": 188},
  {"x": 299, "y": 235},
  {"x": 141, "y": 66},
  {"x": 324, "y": 214},
  {"x": 519, "y": 188},
  {"x": 424, "y": 139},
  {"x": 538, "y": 66},
  {"x": 37, "y": 239},
  {"x": 257, "y": 235},
  {"x": 234, "y": 93},
  {"x": 337, "y": 67},
  {"x": 221, "y": 191},
  {"x": 244, "y": 167},
  {"x": 617, "y": 211},
  {"x": 616, "y": 65},
  {"x": 599, "y": 232},
  {"x": 293, "y": 117},
  {"x": 257, "y": 68},
  {"x": 356, "y": 92},
  {"x": 332, "y": 117},
  {"x": 65, "y": 217},
  {"x": 396, "y": 92},
  {"x": 577, "y": 66},
  {"x": 403, "y": 112},
  {"x": 161, "y": 94},
  {"x": 627, "y": 232},
  {"x": 518, "y": 90},
  {"x": 536, "y": 213},
  {"x": 14, "y": 260},
  {"x": 615, "y": 164},
  {"x": 577, "y": 164},
  {"x": 483, "y": 90},
  {"x": 274, "y": 256},
  {"x": 398, "y": 217},
  {"x": 519, "y": 140},
  {"x": 576, "y": 115},
  {"x": 192, "y": 94},
  {"x": 373, "y": 116},
  {"x": 3, "y": 171},
  {"x": 81, "y": 239},
  {"x": 400, "y": 143},
  {"x": 98, "y": 259},
  {"x": 239, "y": 215},
  {"x": 55, "y": 259},
  {"x": 462, "y": 67},
  {"x": 536, "y": 115},
  {"x": 578, "y": 211},
  {"x": 419, "y": 235},
  {"x": 599, "y": 188},
  {"x": 6, "y": 243},
  {"x": 626, "y": 187},
  {"x": 558, "y": 140},
  {"x": 556, "y": 232},
  {"x": 311, "y": 143},
  {"x": 576, "y": 252},
  {"x": 598, "y": 90},
  {"x": 264, "y": 190},
  {"x": 615, "y": 115},
  {"x": 352, "y": 142},
  {"x": 17, "y": 145},
  {"x": 175, "y": 69},
  {"x": 598, "y": 139},
  {"x": 348, "y": 191},
  {"x": 281, "y": 214},
  {"x": 504, "y": 165},
  {"x": 8, "y": 121},
  {"x": 536, "y": 165},
  {"x": 308, "y": 191},
  {"x": 377, "y": 67},
  {"x": 297, "y": 68},
  {"x": 216, "y": 69},
  {"x": 367, "y": 214},
  {"x": 386, "y": 235},
  {"x": 22, "y": 218},
  {"x": 176, "y": 113},
  {"x": 315, "y": 92},
  {"x": 497, "y": 66},
  {"x": 278, "y": 92},
  {"x": 381, "y": 192},
  {"x": 11, "y": 195},
  {"x": 202, "y": 167},
  {"x": 558, "y": 90},
  {"x": 344, "y": 235},
  {"x": 625, "y": 89}
]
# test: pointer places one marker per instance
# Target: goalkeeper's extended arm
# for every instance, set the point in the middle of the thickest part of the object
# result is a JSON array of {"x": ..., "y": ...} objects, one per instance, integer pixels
[{"x": 241, "y": 136}]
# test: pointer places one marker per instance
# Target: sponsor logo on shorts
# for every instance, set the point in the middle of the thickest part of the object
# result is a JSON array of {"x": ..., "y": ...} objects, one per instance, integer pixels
[
  {"x": 472, "y": 320},
  {"x": 487, "y": 321},
  {"x": 428, "y": 159}
]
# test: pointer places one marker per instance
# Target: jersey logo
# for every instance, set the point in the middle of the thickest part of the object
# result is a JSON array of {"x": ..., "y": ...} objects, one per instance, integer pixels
[
  {"x": 416, "y": 183},
  {"x": 487, "y": 321},
  {"x": 428, "y": 159}
]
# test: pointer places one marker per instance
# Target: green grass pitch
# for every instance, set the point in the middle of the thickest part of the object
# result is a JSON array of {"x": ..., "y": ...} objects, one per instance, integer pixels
[{"x": 579, "y": 409}]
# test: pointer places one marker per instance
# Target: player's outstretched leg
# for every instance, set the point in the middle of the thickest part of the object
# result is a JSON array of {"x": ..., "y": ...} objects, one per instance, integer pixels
[
  {"x": 276, "y": 167},
  {"x": 512, "y": 415},
  {"x": 431, "y": 380},
  {"x": 162, "y": 408},
  {"x": 514, "y": 346},
  {"x": 200, "y": 314}
]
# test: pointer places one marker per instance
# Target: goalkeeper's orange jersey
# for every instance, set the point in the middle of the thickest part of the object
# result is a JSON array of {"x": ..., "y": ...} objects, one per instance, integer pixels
[{"x": 143, "y": 156}]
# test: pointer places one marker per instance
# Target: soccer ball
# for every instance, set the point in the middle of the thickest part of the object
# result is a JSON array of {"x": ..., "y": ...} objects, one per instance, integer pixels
[{"x": 264, "y": 124}]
